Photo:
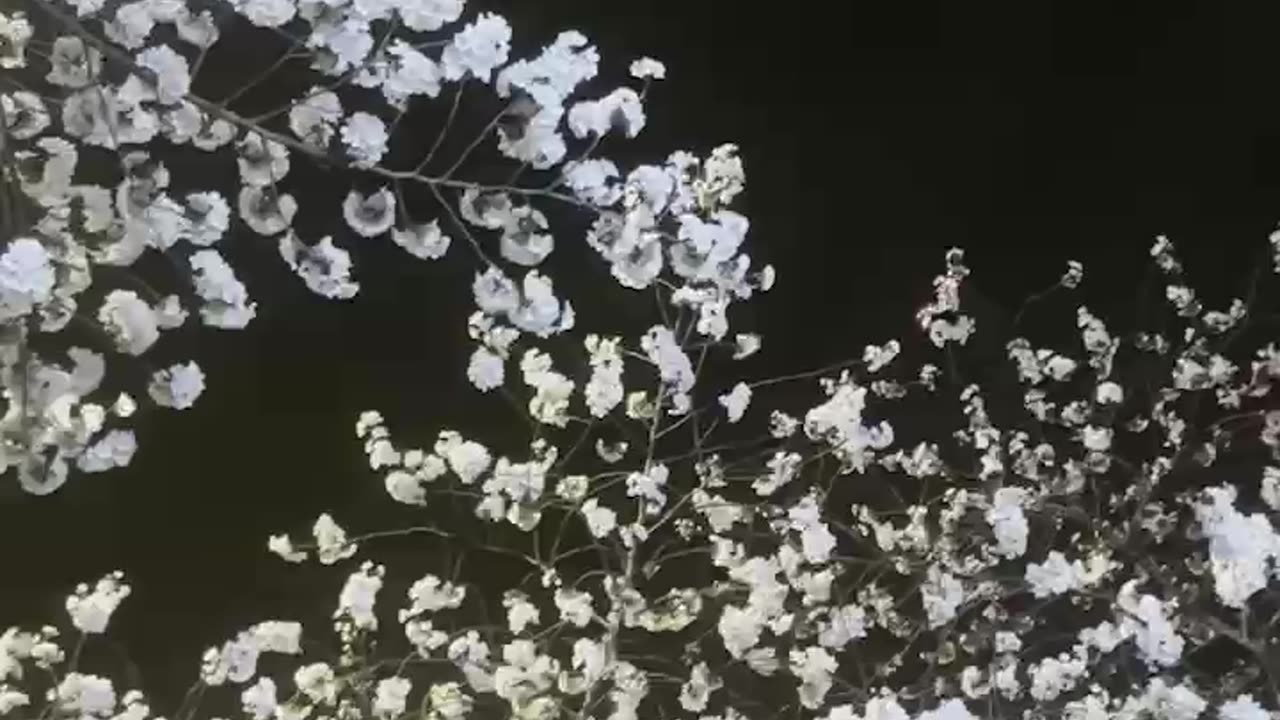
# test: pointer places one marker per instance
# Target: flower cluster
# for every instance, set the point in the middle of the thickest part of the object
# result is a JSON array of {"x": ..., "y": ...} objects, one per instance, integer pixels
[
  {"x": 124, "y": 78},
  {"x": 923, "y": 602}
]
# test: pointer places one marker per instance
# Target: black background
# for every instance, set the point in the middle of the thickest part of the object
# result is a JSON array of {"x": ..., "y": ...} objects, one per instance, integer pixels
[{"x": 874, "y": 138}]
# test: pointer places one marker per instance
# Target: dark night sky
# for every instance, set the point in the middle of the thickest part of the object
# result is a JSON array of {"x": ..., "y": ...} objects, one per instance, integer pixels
[{"x": 1028, "y": 133}]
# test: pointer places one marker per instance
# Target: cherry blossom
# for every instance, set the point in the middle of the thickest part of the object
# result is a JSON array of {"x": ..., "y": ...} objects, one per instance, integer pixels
[{"x": 859, "y": 570}]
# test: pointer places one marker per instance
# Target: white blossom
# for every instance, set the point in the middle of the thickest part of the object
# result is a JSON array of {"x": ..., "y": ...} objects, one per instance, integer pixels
[
  {"x": 740, "y": 629},
  {"x": 525, "y": 240},
  {"x": 177, "y": 386},
  {"x": 600, "y": 520},
  {"x": 422, "y": 240},
  {"x": 1243, "y": 707},
  {"x": 209, "y": 218},
  {"x": 1053, "y": 676},
  {"x": 15, "y": 32},
  {"x": 467, "y": 458},
  {"x": 324, "y": 267},
  {"x": 370, "y": 215},
  {"x": 281, "y": 545},
  {"x": 346, "y": 43},
  {"x": 478, "y": 49},
  {"x": 314, "y": 118},
  {"x": 844, "y": 625},
  {"x": 11, "y": 699},
  {"x": 574, "y": 606},
  {"x": 1270, "y": 489},
  {"x": 953, "y": 709},
  {"x": 486, "y": 369},
  {"x": 428, "y": 15},
  {"x": 226, "y": 301},
  {"x": 411, "y": 73},
  {"x": 112, "y": 450},
  {"x": 85, "y": 695},
  {"x": 620, "y": 109},
  {"x": 267, "y": 13},
  {"x": 390, "y": 696},
  {"x": 942, "y": 594},
  {"x": 25, "y": 114},
  {"x": 91, "y": 609},
  {"x": 813, "y": 666},
  {"x": 259, "y": 699},
  {"x": 172, "y": 74},
  {"x": 1097, "y": 439},
  {"x": 647, "y": 67},
  {"x": 604, "y": 390},
  {"x": 520, "y": 612},
  {"x": 431, "y": 594},
  {"x": 1109, "y": 393},
  {"x": 278, "y": 636},
  {"x": 1242, "y": 549},
  {"x": 317, "y": 682},
  {"x": 735, "y": 402},
  {"x": 674, "y": 366},
  {"x": 1148, "y": 620},
  {"x": 650, "y": 487},
  {"x": 365, "y": 138},
  {"x": 1055, "y": 576},
  {"x": 264, "y": 210},
  {"x": 595, "y": 181},
  {"x": 331, "y": 540},
  {"x": 1009, "y": 522},
  {"x": 356, "y": 601},
  {"x": 26, "y": 277},
  {"x": 261, "y": 160}
]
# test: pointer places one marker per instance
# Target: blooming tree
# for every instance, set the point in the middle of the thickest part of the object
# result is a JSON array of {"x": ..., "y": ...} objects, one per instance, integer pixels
[{"x": 1064, "y": 537}]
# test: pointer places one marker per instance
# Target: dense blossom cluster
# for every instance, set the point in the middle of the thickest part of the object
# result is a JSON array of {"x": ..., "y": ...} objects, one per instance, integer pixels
[
  {"x": 878, "y": 607},
  {"x": 116, "y": 80},
  {"x": 1075, "y": 549}
]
